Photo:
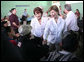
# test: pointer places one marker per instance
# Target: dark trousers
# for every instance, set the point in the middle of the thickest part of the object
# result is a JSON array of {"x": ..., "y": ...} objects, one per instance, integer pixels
[
  {"x": 53, "y": 47},
  {"x": 38, "y": 40},
  {"x": 16, "y": 31}
]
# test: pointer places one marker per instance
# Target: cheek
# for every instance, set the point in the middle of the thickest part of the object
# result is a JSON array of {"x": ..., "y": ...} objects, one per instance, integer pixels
[{"x": 65, "y": 10}]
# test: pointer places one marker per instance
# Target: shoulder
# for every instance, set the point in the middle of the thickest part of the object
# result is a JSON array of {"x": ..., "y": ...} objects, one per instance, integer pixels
[
  {"x": 61, "y": 20},
  {"x": 33, "y": 19},
  {"x": 50, "y": 21}
]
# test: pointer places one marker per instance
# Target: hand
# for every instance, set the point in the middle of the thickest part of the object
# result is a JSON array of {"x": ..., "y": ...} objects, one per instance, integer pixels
[
  {"x": 44, "y": 42},
  {"x": 17, "y": 35}
]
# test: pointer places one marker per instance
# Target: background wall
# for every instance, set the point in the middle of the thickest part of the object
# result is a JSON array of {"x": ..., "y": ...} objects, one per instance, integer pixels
[
  {"x": 7, "y": 5},
  {"x": 78, "y": 6}
]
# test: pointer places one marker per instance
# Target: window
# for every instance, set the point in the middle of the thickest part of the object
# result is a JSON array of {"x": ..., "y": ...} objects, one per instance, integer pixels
[{"x": 70, "y": 2}]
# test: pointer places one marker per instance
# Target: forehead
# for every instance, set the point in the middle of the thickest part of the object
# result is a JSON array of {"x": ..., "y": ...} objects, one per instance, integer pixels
[
  {"x": 52, "y": 11},
  {"x": 37, "y": 12}
]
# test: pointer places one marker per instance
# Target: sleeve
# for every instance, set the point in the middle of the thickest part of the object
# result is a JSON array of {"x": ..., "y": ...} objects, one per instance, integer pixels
[
  {"x": 68, "y": 21},
  {"x": 46, "y": 31},
  {"x": 32, "y": 24},
  {"x": 11, "y": 19},
  {"x": 65, "y": 27}
]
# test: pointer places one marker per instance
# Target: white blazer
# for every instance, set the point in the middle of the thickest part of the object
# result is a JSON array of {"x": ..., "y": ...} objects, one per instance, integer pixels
[
  {"x": 37, "y": 28},
  {"x": 53, "y": 31}
]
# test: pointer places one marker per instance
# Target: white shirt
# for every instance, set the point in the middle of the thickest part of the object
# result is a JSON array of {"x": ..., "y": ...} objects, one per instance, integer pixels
[
  {"x": 25, "y": 13},
  {"x": 53, "y": 31},
  {"x": 71, "y": 21},
  {"x": 37, "y": 28}
]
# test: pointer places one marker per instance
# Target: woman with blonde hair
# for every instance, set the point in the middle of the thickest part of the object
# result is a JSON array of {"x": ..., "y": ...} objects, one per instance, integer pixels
[{"x": 54, "y": 28}]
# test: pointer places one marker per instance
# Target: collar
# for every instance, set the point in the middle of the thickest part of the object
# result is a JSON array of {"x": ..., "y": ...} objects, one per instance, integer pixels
[{"x": 58, "y": 20}]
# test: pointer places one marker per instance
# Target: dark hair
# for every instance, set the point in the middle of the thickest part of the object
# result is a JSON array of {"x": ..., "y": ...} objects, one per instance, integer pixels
[
  {"x": 3, "y": 22},
  {"x": 68, "y": 7},
  {"x": 55, "y": 8},
  {"x": 12, "y": 9},
  {"x": 70, "y": 42},
  {"x": 38, "y": 10},
  {"x": 77, "y": 10},
  {"x": 23, "y": 18},
  {"x": 8, "y": 29}
]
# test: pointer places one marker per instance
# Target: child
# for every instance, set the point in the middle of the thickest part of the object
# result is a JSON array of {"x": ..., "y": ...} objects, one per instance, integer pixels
[{"x": 11, "y": 35}]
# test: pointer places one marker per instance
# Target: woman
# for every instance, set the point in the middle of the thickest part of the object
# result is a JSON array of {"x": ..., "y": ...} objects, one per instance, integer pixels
[
  {"x": 77, "y": 13},
  {"x": 38, "y": 24},
  {"x": 54, "y": 28}
]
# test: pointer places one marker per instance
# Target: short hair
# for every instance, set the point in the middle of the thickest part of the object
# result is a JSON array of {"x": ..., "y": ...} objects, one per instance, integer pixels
[
  {"x": 25, "y": 9},
  {"x": 12, "y": 9},
  {"x": 68, "y": 7},
  {"x": 55, "y": 8},
  {"x": 70, "y": 41},
  {"x": 24, "y": 30},
  {"x": 38, "y": 10}
]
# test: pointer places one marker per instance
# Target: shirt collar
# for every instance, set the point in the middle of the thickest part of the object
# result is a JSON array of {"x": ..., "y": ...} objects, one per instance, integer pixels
[
  {"x": 69, "y": 13},
  {"x": 58, "y": 21}
]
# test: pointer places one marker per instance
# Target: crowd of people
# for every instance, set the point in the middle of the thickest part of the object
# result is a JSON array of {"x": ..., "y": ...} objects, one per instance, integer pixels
[{"x": 50, "y": 36}]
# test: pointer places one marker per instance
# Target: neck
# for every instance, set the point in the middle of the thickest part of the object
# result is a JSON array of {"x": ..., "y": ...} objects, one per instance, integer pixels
[
  {"x": 56, "y": 18},
  {"x": 39, "y": 19}
]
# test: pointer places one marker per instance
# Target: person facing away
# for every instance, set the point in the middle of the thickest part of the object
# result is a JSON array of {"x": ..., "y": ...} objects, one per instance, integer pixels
[
  {"x": 13, "y": 18},
  {"x": 69, "y": 45},
  {"x": 31, "y": 51},
  {"x": 71, "y": 21},
  {"x": 54, "y": 28},
  {"x": 38, "y": 23}
]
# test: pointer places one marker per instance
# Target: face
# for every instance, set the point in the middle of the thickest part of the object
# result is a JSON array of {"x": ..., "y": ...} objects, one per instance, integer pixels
[
  {"x": 53, "y": 13},
  {"x": 14, "y": 11},
  {"x": 38, "y": 15},
  {"x": 65, "y": 11}
]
